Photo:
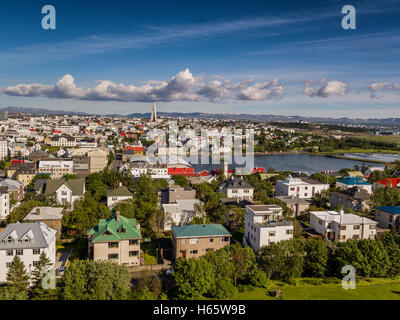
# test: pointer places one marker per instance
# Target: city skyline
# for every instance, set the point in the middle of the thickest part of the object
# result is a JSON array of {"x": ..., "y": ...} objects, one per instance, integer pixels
[{"x": 284, "y": 59}]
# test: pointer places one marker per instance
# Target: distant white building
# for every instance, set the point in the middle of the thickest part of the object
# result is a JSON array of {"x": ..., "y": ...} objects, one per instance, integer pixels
[
  {"x": 3, "y": 149},
  {"x": 56, "y": 168},
  {"x": 342, "y": 226},
  {"x": 28, "y": 241},
  {"x": 116, "y": 195},
  {"x": 264, "y": 225},
  {"x": 304, "y": 188},
  {"x": 4, "y": 202}
]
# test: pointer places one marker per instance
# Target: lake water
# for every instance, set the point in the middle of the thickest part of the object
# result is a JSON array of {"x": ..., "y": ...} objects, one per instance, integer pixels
[
  {"x": 386, "y": 157},
  {"x": 294, "y": 162}
]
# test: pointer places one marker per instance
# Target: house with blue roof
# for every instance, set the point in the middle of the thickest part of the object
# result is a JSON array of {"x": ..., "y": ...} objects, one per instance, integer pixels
[
  {"x": 388, "y": 217},
  {"x": 195, "y": 240},
  {"x": 351, "y": 182}
]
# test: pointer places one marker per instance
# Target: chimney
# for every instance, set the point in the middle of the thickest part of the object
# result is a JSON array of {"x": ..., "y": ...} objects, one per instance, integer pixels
[
  {"x": 204, "y": 220},
  {"x": 117, "y": 215},
  {"x": 38, "y": 211}
]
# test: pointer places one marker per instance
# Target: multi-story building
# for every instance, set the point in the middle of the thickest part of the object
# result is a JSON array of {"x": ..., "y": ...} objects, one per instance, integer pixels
[
  {"x": 116, "y": 239},
  {"x": 56, "y": 168},
  {"x": 98, "y": 157},
  {"x": 4, "y": 202},
  {"x": 340, "y": 226},
  {"x": 28, "y": 241},
  {"x": 264, "y": 225},
  {"x": 180, "y": 212},
  {"x": 237, "y": 188},
  {"x": 62, "y": 141},
  {"x": 388, "y": 217},
  {"x": 195, "y": 240},
  {"x": 304, "y": 188},
  {"x": 15, "y": 188},
  {"x": 354, "y": 198},
  {"x": 3, "y": 149},
  {"x": 298, "y": 205},
  {"x": 175, "y": 192},
  {"x": 351, "y": 182},
  {"x": 63, "y": 190}
]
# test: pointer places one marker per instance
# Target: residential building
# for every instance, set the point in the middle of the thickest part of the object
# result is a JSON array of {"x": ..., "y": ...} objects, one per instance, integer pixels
[
  {"x": 63, "y": 140},
  {"x": 264, "y": 225},
  {"x": 56, "y": 168},
  {"x": 15, "y": 188},
  {"x": 3, "y": 149},
  {"x": 28, "y": 241},
  {"x": 176, "y": 192},
  {"x": 304, "y": 188},
  {"x": 22, "y": 171},
  {"x": 388, "y": 217},
  {"x": 4, "y": 202},
  {"x": 37, "y": 155},
  {"x": 98, "y": 157},
  {"x": 116, "y": 239},
  {"x": 298, "y": 205},
  {"x": 65, "y": 191},
  {"x": 180, "y": 212},
  {"x": 120, "y": 193},
  {"x": 351, "y": 182},
  {"x": 81, "y": 166},
  {"x": 50, "y": 216},
  {"x": 340, "y": 226},
  {"x": 355, "y": 198},
  {"x": 236, "y": 187},
  {"x": 195, "y": 240}
]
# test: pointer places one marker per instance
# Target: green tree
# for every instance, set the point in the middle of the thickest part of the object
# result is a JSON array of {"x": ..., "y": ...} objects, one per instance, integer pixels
[
  {"x": 17, "y": 275},
  {"x": 243, "y": 261},
  {"x": 193, "y": 277},
  {"x": 181, "y": 180},
  {"x": 95, "y": 280},
  {"x": 37, "y": 275},
  {"x": 316, "y": 258},
  {"x": 8, "y": 292}
]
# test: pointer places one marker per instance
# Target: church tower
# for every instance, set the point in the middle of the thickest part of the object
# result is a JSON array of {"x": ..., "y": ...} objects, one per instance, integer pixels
[{"x": 153, "y": 117}]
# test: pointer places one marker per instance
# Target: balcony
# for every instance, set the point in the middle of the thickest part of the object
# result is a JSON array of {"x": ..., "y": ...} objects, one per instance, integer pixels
[{"x": 271, "y": 224}]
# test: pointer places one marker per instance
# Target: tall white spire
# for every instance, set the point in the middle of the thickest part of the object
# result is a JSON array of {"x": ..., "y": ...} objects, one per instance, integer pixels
[{"x": 153, "y": 117}]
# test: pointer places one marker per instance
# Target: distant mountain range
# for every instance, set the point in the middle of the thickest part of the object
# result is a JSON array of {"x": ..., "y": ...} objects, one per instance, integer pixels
[{"x": 226, "y": 116}]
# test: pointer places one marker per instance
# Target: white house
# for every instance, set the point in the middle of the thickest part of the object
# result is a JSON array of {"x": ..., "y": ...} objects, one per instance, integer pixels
[
  {"x": 304, "y": 188},
  {"x": 28, "y": 241},
  {"x": 237, "y": 188},
  {"x": 4, "y": 202},
  {"x": 264, "y": 224},
  {"x": 65, "y": 191},
  {"x": 180, "y": 213},
  {"x": 119, "y": 194},
  {"x": 342, "y": 226}
]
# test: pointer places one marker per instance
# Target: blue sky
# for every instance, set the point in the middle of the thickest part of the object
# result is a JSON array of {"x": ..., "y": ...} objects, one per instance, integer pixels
[{"x": 269, "y": 57}]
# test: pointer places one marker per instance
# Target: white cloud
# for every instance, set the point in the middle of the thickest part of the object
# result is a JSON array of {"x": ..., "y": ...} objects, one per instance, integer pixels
[
  {"x": 181, "y": 87},
  {"x": 376, "y": 89},
  {"x": 262, "y": 91},
  {"x": 326, "y": 89}
]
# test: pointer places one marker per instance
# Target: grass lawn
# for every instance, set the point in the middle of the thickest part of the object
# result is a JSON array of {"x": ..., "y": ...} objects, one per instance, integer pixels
[
  {"x": 149, "y": 252},
  {"x": 79, "y": 246},
  {"x": 376, "y": 289}
]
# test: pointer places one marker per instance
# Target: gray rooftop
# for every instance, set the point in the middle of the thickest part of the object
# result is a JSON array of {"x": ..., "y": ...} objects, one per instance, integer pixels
[
  {"x": 39, "y": 234},
  {"x": 45, "y": 213}
]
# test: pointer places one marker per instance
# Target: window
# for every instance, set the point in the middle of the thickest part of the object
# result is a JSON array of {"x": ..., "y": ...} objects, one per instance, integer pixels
[
  {"x": 356, "y": 227},
  {"x": 272, "y": 233},
  {"x": 113, "y": 244},
  {"x": 20, "y": 252},
  {"x": 292, "y": 189},
  {"x": 371, "y": 226},
  {"x": 225, "y": 239},
  {"x": 35, "y": 263},
  {"x": 320, "y": 222},
  {"x": 36, "y": 251},
  {"x": 342, "y": 237},
  {"x": 343, "y": 228},
  {"x": 305, "y": 188},
  {"x": 306, "y": 194},
  {"x": 113, "y": 256},
  {"x": 133, "y": 253},
  {"x": 356, "y": 236},
  {"x": 133, "y": 242},
  {"x": 211, "y": 240},
  {"x": 106, "y": 233},
  {"x": 10, "y": 252},
  {"x": 8, "y": 264},
  {"x": 289, "y": 231},
  {"x": 194, "y": 241},
  {"x": 193, "y": 251},
  {"x": 122, "y": 230}
]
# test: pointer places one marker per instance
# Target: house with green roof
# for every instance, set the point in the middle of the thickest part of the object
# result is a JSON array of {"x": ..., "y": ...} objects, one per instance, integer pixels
[
  {"x": 195, "y": 240},
  {"x": 120, "y": 193},
  {"x": 116, "y": 239},
  {"x": 65, "y": 191}
]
